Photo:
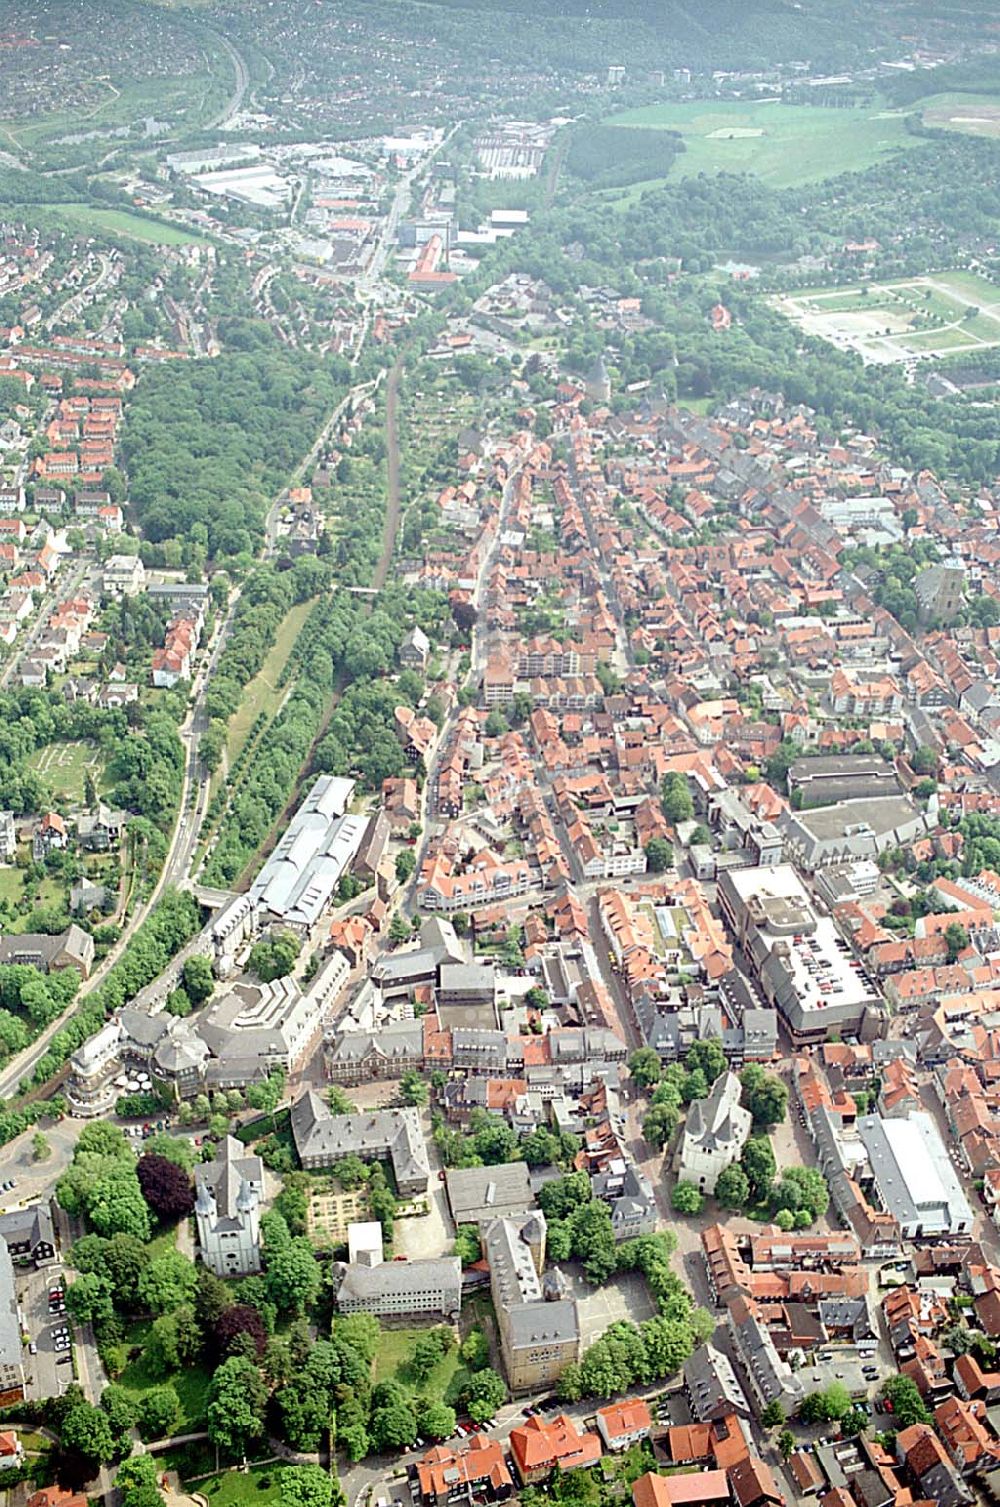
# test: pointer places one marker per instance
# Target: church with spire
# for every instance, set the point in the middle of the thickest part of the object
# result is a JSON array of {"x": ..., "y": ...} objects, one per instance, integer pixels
[{"x": 228, "y": 1191}]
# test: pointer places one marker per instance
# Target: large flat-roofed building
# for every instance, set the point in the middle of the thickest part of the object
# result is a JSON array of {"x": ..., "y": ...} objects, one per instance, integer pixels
[
  {"x": 914, "y": 1178},
  {"x": 322, "y": 1139},
  {"x": 802, "y": 965},
  {"x": 841, "y": 777},
  {"x": 851, "y": 830},
  {"x": 298, "y": 880},
  {"x": 481, "y": 1193}
]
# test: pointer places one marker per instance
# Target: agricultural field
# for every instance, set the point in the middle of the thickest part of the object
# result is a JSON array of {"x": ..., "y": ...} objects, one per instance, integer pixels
[
  {"x": 941, "y": 314},
  {"x": 66, "y": 765},
  {"x": 781, "y": 144},
  {"x": 969, "y": 114}
]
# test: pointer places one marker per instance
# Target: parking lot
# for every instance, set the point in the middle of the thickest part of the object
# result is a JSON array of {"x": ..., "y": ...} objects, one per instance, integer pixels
[{"x": 49, "y": 1371}]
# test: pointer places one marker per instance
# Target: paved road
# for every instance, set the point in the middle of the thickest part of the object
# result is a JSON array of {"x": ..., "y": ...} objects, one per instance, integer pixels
[
  {"x": 241, "y": 84},
  {"x": 392, "y": 500}
]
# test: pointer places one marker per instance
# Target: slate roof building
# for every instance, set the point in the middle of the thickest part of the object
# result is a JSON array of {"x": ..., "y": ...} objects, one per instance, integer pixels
[
  {"x": 398, "y": 1289},
  {"x": 539, "y": 1326},
  {"x": 322, "y": 1139},
  {"x": 227, "y": 1210},
  {"x": 29, "y": 1234},
  {"x": 715, "y": 1133},
  {"x": 479, "y": 1194}
]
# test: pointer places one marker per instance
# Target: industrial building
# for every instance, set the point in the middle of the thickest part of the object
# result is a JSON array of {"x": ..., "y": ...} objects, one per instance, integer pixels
[
  {"x": 297, "y": 882},
  {"x": 913, "y": 1176}
]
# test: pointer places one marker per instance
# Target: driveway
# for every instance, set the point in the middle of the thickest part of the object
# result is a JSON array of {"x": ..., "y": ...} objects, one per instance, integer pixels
[{"x": 433, "y": 1233}]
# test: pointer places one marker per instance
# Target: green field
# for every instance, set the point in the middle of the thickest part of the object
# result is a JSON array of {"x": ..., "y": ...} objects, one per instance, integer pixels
[
  {"x": 236, "y": 1488},
  {"x": 65, "y": 766},
  {"x": 781, "y": 144},
  {"x": 95, "y": 218},
  {"x": 942, "y": 313},
  {"x": 968, "y": 114},
  {"x": 444, "y": 1383},
  {"x": 262, "y": 694}
]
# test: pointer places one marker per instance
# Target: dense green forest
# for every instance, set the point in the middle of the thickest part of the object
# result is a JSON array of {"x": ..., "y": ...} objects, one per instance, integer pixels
[
  {"x": 207, "y": 445},
  {"x": 611, "y": 156}
]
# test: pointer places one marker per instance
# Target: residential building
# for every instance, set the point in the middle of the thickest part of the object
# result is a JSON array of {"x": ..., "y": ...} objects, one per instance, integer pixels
[
  {"x": 625, "y": 1423},
  {"x": 712, "y": 1388},
  {"x": 702, "y": 1488},
  {"x": 123, "y": 576},
  {"x": 476, "y": 1473},
  {"x": 415, "y": 649},
  {"x": 8, "y": 836},
  {"x": 29, "y": 1234},
  {"x": 769, "y": 1378},
  {"x": 539, "y": 1447},
  {"x": 73, "y": 948},
  {"x": 227, "y": 1210}
]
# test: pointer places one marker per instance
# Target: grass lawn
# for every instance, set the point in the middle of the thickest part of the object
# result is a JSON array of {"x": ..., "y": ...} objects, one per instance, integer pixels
[
  {"x": 391, "y": 1364},
  {"x": 262, "y": 693},
  {"x": 969, "y": 114},
  {"x": 11, "y": 883},
  {"x": 781, "y": 144},
  {"x": 236, "y": 1488},
  {"x": 64, "y": 766},
  {"x": 120, "y": 222},
  {"x": 191, "y": 1384}
]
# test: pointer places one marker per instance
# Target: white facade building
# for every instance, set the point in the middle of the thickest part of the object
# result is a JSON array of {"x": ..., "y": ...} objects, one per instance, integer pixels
[
  {"x": 227, "y": 1210},
  {"x": 714, "y": 1135}
]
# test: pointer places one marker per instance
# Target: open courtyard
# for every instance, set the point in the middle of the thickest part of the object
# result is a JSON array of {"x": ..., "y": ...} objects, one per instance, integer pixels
[{"x": 940, "y": 314}]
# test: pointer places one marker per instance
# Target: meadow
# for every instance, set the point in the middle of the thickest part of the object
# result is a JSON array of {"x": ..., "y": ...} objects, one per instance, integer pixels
[
  {"x": 783, "y": 145},
  {"x": 969, "y": 114},
  {"x": 94, "y": 217}
]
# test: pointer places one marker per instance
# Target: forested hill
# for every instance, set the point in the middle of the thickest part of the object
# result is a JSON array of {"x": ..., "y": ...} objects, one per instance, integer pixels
[{"x": 736, "y": 34}]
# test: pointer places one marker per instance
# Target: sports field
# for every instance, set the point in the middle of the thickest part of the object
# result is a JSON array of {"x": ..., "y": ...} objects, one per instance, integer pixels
[
  {"x": 969, "y": 114},
  {"x": 120, "y": 222},
  {"x": 64, "y": 766},
  {"x": 781, "y": 144},
  {"x": 943, "y": 313}
]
